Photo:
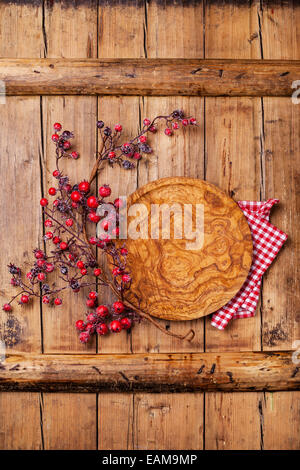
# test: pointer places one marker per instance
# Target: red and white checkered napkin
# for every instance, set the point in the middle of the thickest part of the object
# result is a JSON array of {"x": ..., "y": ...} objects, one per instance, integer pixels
[{"x": 267, "y": 241}]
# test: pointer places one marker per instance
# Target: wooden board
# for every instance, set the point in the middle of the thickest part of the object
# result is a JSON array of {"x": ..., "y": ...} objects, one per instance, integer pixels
[
  {"x": 247, "y": 371},
  {"x": 179, "y": 275},
  {"x": 155, "y": 77}
]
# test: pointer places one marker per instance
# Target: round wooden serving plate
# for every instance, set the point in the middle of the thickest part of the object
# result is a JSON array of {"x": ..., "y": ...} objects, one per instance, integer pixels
[{"x": 176, "y": 283}]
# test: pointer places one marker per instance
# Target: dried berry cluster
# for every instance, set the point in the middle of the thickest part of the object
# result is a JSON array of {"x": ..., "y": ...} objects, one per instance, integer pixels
[{"x": 70, "y": 253}]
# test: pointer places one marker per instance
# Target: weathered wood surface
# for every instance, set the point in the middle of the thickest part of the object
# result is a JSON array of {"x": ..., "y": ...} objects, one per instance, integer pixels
[
  {"x": 154, "y": 77},
  {"x": 152, "y": 373},
  {"x": 177, "y": 275},
  {"x": 221, "y": 150}
]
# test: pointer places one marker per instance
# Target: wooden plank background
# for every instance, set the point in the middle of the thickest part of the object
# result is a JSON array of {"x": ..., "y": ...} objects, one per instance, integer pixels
[{"x": 247, "y": 146}]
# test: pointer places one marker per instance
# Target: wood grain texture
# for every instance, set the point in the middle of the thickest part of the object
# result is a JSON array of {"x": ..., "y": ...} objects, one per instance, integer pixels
[
  {"x": 232, "y": 421},
  {"x": 20, "y": 421},
  {"x": 154, "y": 77},
  {"x": 233, "y": 142},
  {"x": 182, "y": 372},
  {"x": 20, "y": 150},
  {"x": 168, "y": 421},
  {"x": 77, "y": 114},
  {"x": 119, "y": 109},
  {"x": 233, "y": 148},
  {"x": 182, "y": 155},
  {"x": 280, "y": 414},
  {"x": 69, "y": 421},
  {"x": 280, "y": 311},
  {"x": 115, "y": 423},
  {"x": 176, "y": 281}
]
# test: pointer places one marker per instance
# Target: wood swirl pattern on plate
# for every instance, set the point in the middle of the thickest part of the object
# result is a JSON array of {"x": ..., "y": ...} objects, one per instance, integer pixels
[{"x": 176, "y": 283}]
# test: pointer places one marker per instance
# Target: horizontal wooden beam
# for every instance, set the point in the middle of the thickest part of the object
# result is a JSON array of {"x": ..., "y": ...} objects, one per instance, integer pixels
[
  {"x": 154, "y": 77},
  {"x": 238, "y": 371}
]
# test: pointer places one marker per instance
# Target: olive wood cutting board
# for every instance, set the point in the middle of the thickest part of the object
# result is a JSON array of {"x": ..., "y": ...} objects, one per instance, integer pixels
[{"x": 171, "y": 281}]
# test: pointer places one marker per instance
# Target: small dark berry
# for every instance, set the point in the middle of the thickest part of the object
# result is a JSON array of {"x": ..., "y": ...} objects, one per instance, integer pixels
[{"x": 100, "y": 124}]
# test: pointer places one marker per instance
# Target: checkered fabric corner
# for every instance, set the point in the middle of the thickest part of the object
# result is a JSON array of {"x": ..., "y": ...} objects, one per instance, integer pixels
[{"x": 267, "y": 241}]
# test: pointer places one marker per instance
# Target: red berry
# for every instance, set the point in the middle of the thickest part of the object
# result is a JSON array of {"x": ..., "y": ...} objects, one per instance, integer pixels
[
  {"x": 93, "y": 295},
  {"x": 40, "y": 263},
  {"x": 193, "y": 121},
  {"x": 175, "y": 125},
  {"x": 104, "y": 191},
  {"x": 137, "y": 155},
  {"x": 80, "y": 264},
  {"x": 49, "y": 235},
  {"x": 7, "y": 308},
  {"x": 118, "y": 203},
  {"x": 79, "y": 325},
  {"x": 97, "y": 272},
  {"x": 76, "y": 196},
  {"x": 56, "y": 240},
  {"x": 67, "y": 187},
  {"x": 93, "y": 241},
  {"x": 56, "y": 173},
  {"x": 63, "y": 246},
  {"x": 67, "y": 145},
  {"x": 185, "y": 122},
  {"x": 74, "y": 205},
  {"x": 69, "y": 222},
  {"x": 146, "y": 122},
  {"x": 126, "y": 323},
  {"x": 94, "y": 217},
  {"x": 29, "y": 275},
  {"x": 52, "y": 191},
  {"x": 24, "y": 299},
  {"x": 118, "y": 307},
  {"x": 168, "y": 131},
  {"x": 143, "y": 139},
  {"x": 46, "y": 299},
  {"x": 84, "y": 186},
  {"x": 55, "y": 137},
  {"x": 118, "y": 128},
  {"x": 92, "y": 202},
  {"x": 56, "y": 202},
  {"x": 44, "y": 202},
  {"x": 124, "y": 251},
  {"x": 115, "y": 326},
  {"x": 49, "y": 267},
  {"x": 84, "y": 336},
  {"x": 153, "y": 129},
  {"x": 116, "y": 271},
  {"x": 126, "y": 278},
  {"x": 39, "y": 254},
  {"x": 90, "y": 303},
  {"x": 83, "y": 271},
  {"x": 75, "y": 155},
  {"x": 41, "y": 276},
  {"x": 48, "y": 223},
  {"x": 111, "y": 155},
  {"x": 57, "y": 126},
  {"x": 102, "y": 329},
  {"x": 102, "y": 311},
  {"x": 57, "y": 301},
  {"x": 71, "y": 257},
  {"x": 89, "y": 327},
  {"x": 90, "y": 317}
]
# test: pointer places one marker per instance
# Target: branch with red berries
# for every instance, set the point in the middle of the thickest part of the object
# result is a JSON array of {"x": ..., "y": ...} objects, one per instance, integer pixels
[{"x": 70, "y": 253}]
